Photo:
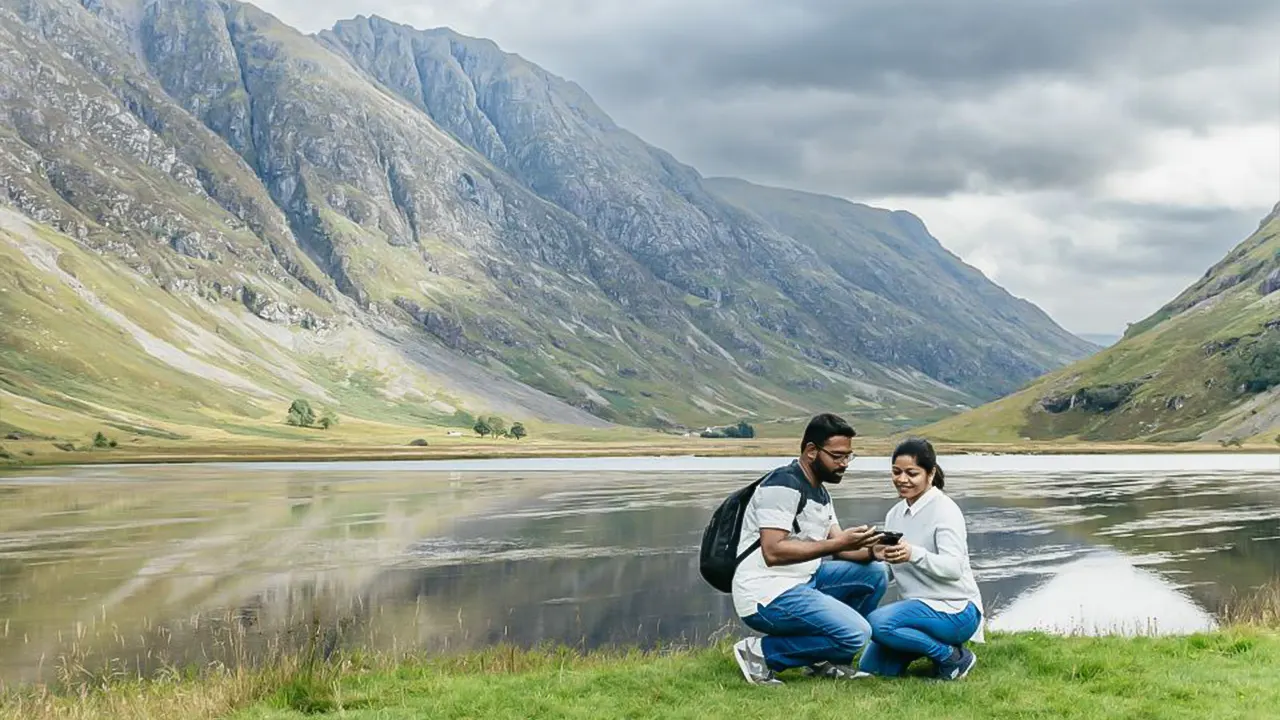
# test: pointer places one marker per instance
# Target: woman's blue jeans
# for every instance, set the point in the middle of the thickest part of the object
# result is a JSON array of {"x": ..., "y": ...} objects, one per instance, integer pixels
[{"x": 908, "y": 630}]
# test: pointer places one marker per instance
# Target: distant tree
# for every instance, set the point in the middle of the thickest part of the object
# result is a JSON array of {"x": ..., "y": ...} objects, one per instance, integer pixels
[
  {"x": 517, "y": 430},
  {"x": 328, "y": 420},
  {"x": 301, "y": 414},
  {"x": 497, "y": 425},
  {"x": 482, "y": 428},
  {"x": 102, "y": 441},
  {"x": 741, "y": 430}
]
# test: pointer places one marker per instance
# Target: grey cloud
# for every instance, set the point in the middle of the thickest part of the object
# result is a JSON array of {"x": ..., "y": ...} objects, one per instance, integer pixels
[
  {"x": 1156, "y": 240},
  {"x": 859, "y": 147},
  {"x": 888, "y": 46}
]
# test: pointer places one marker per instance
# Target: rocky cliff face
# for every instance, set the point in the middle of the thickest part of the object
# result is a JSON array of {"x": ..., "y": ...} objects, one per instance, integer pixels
[{"x": 443, "y": 194}]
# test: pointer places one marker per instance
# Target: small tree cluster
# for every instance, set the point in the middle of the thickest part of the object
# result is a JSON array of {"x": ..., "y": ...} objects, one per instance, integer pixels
[
  {"x": 301, "y": 414},
  {"x": 101, "y": 441},
  {"x": 497, "y": 427}
]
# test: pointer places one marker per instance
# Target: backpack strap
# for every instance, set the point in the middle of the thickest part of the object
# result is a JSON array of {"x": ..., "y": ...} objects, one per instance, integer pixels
[{"x": 795, "y": 524}]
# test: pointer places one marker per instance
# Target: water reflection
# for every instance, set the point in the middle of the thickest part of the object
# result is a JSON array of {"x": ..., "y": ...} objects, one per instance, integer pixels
[
  {"x": 153, "y": 565},
  {"x": 1104, "y": 593}
]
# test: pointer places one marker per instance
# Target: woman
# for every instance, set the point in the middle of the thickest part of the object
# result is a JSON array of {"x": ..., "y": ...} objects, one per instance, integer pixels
[{"x": 941, "y": 607}]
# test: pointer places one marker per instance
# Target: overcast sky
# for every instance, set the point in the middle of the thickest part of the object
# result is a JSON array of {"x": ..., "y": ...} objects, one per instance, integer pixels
[{"x": 1094, "y": 157}]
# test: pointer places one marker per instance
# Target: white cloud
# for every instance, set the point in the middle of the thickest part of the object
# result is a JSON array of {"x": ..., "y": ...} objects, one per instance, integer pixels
[{"x": 1235, "y": 166}]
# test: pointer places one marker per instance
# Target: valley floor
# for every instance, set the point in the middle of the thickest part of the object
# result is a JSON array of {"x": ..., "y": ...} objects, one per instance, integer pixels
[
  {"x": 1233, "y": 673},
  {"x": 35, "y": 453}
]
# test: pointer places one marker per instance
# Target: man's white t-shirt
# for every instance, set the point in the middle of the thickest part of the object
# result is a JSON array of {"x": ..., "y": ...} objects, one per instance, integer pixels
[{"x": 773, "y": 505}]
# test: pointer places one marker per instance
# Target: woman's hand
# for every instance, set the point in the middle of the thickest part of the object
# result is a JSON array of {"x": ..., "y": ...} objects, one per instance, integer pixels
[{"x": 895, "y": 554}]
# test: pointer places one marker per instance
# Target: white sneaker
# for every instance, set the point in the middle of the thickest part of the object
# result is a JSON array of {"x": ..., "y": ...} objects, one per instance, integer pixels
[{"x": 750, "y": 659}]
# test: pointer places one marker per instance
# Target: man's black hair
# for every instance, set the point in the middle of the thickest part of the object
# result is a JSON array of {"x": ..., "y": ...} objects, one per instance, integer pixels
[{"x": 824, "y": 427}]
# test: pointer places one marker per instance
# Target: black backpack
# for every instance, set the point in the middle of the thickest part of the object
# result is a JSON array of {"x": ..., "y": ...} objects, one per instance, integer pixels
[{"x": 719, "y": 556}]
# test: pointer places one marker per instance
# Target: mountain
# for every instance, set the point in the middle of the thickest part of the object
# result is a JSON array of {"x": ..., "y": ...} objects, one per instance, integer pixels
[
  {"x": 211, "y": 214},
  {"x": 893, "y": 255},
  {"x": 754, "y": 276},
  {"x": 1206, "y": 366}
]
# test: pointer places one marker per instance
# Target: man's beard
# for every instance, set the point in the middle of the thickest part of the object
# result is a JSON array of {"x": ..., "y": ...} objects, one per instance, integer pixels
[{"x": 829, "y": 476}]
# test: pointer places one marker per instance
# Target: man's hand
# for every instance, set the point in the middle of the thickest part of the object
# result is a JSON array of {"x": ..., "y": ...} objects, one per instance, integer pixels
[
  {"x": 779, "y": 550},
  {"x": 857, "y": 538},
  {"x": 895, "y": 554}
]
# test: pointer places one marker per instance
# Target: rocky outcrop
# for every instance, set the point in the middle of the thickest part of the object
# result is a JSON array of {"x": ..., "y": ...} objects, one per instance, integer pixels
[
  {"x": 1271, "y": 283},
  {"x": 1095, "y": 399}
]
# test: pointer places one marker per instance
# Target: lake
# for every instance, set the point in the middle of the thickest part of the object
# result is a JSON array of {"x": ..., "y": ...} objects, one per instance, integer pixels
[{"x": 143, "y": 566}]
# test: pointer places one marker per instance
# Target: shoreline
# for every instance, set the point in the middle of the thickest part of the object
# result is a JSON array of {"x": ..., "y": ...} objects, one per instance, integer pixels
[{"x": 179, "y": 453}]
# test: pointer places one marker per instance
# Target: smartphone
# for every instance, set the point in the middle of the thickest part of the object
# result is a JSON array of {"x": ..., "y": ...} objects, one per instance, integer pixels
[{"x": 890, "y": 537}]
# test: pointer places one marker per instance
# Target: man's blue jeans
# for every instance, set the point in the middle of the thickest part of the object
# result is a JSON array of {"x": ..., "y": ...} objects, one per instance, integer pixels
[
  {"x": 823, "y": 619},
  {"x": 908, "y": 630}
]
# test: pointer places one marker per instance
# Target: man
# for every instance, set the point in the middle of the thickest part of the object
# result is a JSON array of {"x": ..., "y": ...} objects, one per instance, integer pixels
[{"x": 810, "y": 584}]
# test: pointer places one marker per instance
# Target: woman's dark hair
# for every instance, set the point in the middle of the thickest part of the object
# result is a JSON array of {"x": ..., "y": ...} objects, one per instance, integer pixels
[
  {"x": 926, "y": 458},
  {"x": 824, "y": 427}
]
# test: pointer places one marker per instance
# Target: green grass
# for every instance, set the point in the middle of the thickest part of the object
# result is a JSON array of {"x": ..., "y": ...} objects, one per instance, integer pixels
[
  {"x": 1226, "y": 674},
  {"x": 1231, "y": 674}
]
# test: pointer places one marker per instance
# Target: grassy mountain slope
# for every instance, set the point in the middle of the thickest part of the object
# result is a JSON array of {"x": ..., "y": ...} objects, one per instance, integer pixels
[
  {"x": 87, "y": 344},
  {"x": 894, "y": 256},
  {"x": 1205, "y": 366}
]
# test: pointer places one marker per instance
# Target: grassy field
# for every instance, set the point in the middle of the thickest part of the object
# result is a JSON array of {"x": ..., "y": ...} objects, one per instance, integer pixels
[{"x": 1226, "y": 674}]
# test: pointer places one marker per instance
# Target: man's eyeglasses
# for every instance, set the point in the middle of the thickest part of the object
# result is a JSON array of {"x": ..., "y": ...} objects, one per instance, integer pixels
[{"x": 838, "y": 457}]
